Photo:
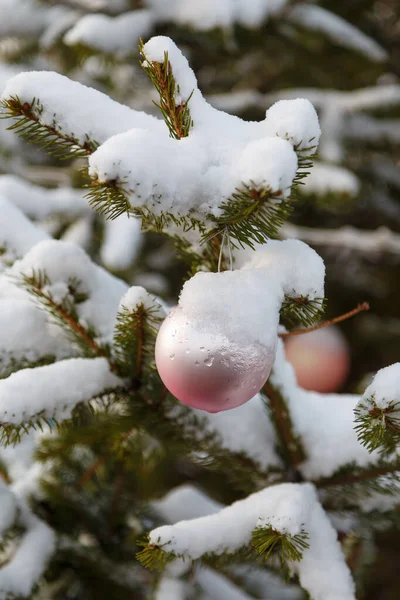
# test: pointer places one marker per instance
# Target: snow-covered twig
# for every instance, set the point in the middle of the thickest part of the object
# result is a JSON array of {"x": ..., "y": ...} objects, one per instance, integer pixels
[{"x": 347, "y": 238}]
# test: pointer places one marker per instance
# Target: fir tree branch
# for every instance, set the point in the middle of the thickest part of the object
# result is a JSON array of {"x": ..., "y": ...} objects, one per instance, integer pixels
[
  {"x": 90, "y": 472},
  {"x": 290, "y": 445},
  {"x": 176, "y": 115},
  {"x": 153, "y": 556},
  {"x": 378, "y": 427},
  {"x": 16, "y": 364},
  {"x": 65, "y": 314},
  {"x": 301, "y": 310},
  {"x": 250, "y": 216},
  {"x": 109, "y": 198},
  {"x": 134, "y": 340},
  {"x": 344, "y": 317},
  {"x": 28, "y": 125},
  {"x": 265, "y": 539},
  {"x": 351, "y": 474}
]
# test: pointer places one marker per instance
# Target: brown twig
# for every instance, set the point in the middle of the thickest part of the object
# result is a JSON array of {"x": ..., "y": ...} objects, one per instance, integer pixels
[
  {"x": 5, "y": 476},
  {"x": 88, "y": 474},
  {"x": 339, "y": 319},
  {"x": 168, "y": 98},
  {"x": 25, "y": 111},
  {"x": 291, "y": 446},
  {"x": 139, "y": 330},
  {"x": 390, "y": 425},
  {"x": 357, "y": 477},
  {"x": 78, "y": 328}
]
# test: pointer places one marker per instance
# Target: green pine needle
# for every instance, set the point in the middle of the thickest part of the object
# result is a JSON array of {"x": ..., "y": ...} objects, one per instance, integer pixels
[
  {"x": 153, "y": 557},
  {"x": 250, "y": 216},
  {"x": 267, "y": 539},
  {"x": 108, "y": 199},
  {"x": 354, "y": 482},
  {"x": 64, "y": 313},
  {"x": 176, "y": 115},
  {"x": 301, "y": 311},
  {"x": 134, "y": 339},
  {"x": 28, "y": 125},
  {"x": 376, "y": 427}
]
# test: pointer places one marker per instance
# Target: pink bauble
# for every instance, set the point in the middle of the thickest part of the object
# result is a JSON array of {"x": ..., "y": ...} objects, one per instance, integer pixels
[
  {"x": 321, "y": 359},
  {"x": 205, "y": 370}
]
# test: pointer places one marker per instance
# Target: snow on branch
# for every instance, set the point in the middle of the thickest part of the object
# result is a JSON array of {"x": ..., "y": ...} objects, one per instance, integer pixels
[
  {"x": 26, "y": 542},
  {"x": 8, "y": 508},
  {"x": 26, "y": 18},
  {"x": 284, "y": 261},
  {"x": 26, "y": 336},
  {"x": 380, "y": 240},
  {"x": 17, "y": 233},
  {"x": 31, "y": 396},
  {"x": 35, "y": 547},
  {"x": 60, "y": 275},
  {"x": 170, "y": 588},
  {"x": 378, "y": 411},
  {"x": 224, "y": 174},
  {"x": 206, "y": 15},
  {"x": 119, "y": 35},
  {"x": 233, "y": 428},
  {"x": 337, "y": 29},
  {"x": 338, "y": 111},
  {"x": 122, "y": 242},
  {"x": 287, "y": 518},
  {"x": 327, "y": 179},
  {"x": 137, "y": 322},
  {"x": 66, "y": 112},
  {"x": 245, "y": 179},
  {"x": 185, "y": 502},
  {"x": 324, "y": 423},
  {"x": 39, "y": 203}
]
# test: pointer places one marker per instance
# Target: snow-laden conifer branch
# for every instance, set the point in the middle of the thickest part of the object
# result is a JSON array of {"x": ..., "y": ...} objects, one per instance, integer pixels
[
  {"x": 137, "y": 323},
  {"x": 229, "y": 176},
  {"x": 265, "y": 539},
  {"x": 34, "y": 548},
  {"x": 207, "y": 442},
  {"x": 378, "y": 241},
  {"x": 109, "y": 199},
  {"x": 33, "y": 397},
  {"x": 113, "y": 36},
  {"x": 301, "y": 310},
  {"x": 357, "y": 482},
  {"x": 118, "y": 34},
  {"x": 303, "y": 300},
  {"x": 290, "y": 445},
  {"x": 333, "y": 457},
  {"x": 74, "y": 110},
  {"x": 39, "y": 203},
  {"x": 284, "y": 511},
  {"x": 378, "y": 411},
  {"x": 175, "y": 114},
  {"x": 27, "y": 124},
  {"x": 63, "y": 311}
]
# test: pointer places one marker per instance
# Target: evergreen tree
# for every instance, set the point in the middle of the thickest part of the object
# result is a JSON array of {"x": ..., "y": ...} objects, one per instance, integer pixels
[{"x": 112, "y": 487}]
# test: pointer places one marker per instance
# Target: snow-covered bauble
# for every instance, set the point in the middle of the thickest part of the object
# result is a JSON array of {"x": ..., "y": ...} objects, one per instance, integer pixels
[
  {"x": 321, "y": 359},
  {"x": 215, "y": 350}
]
